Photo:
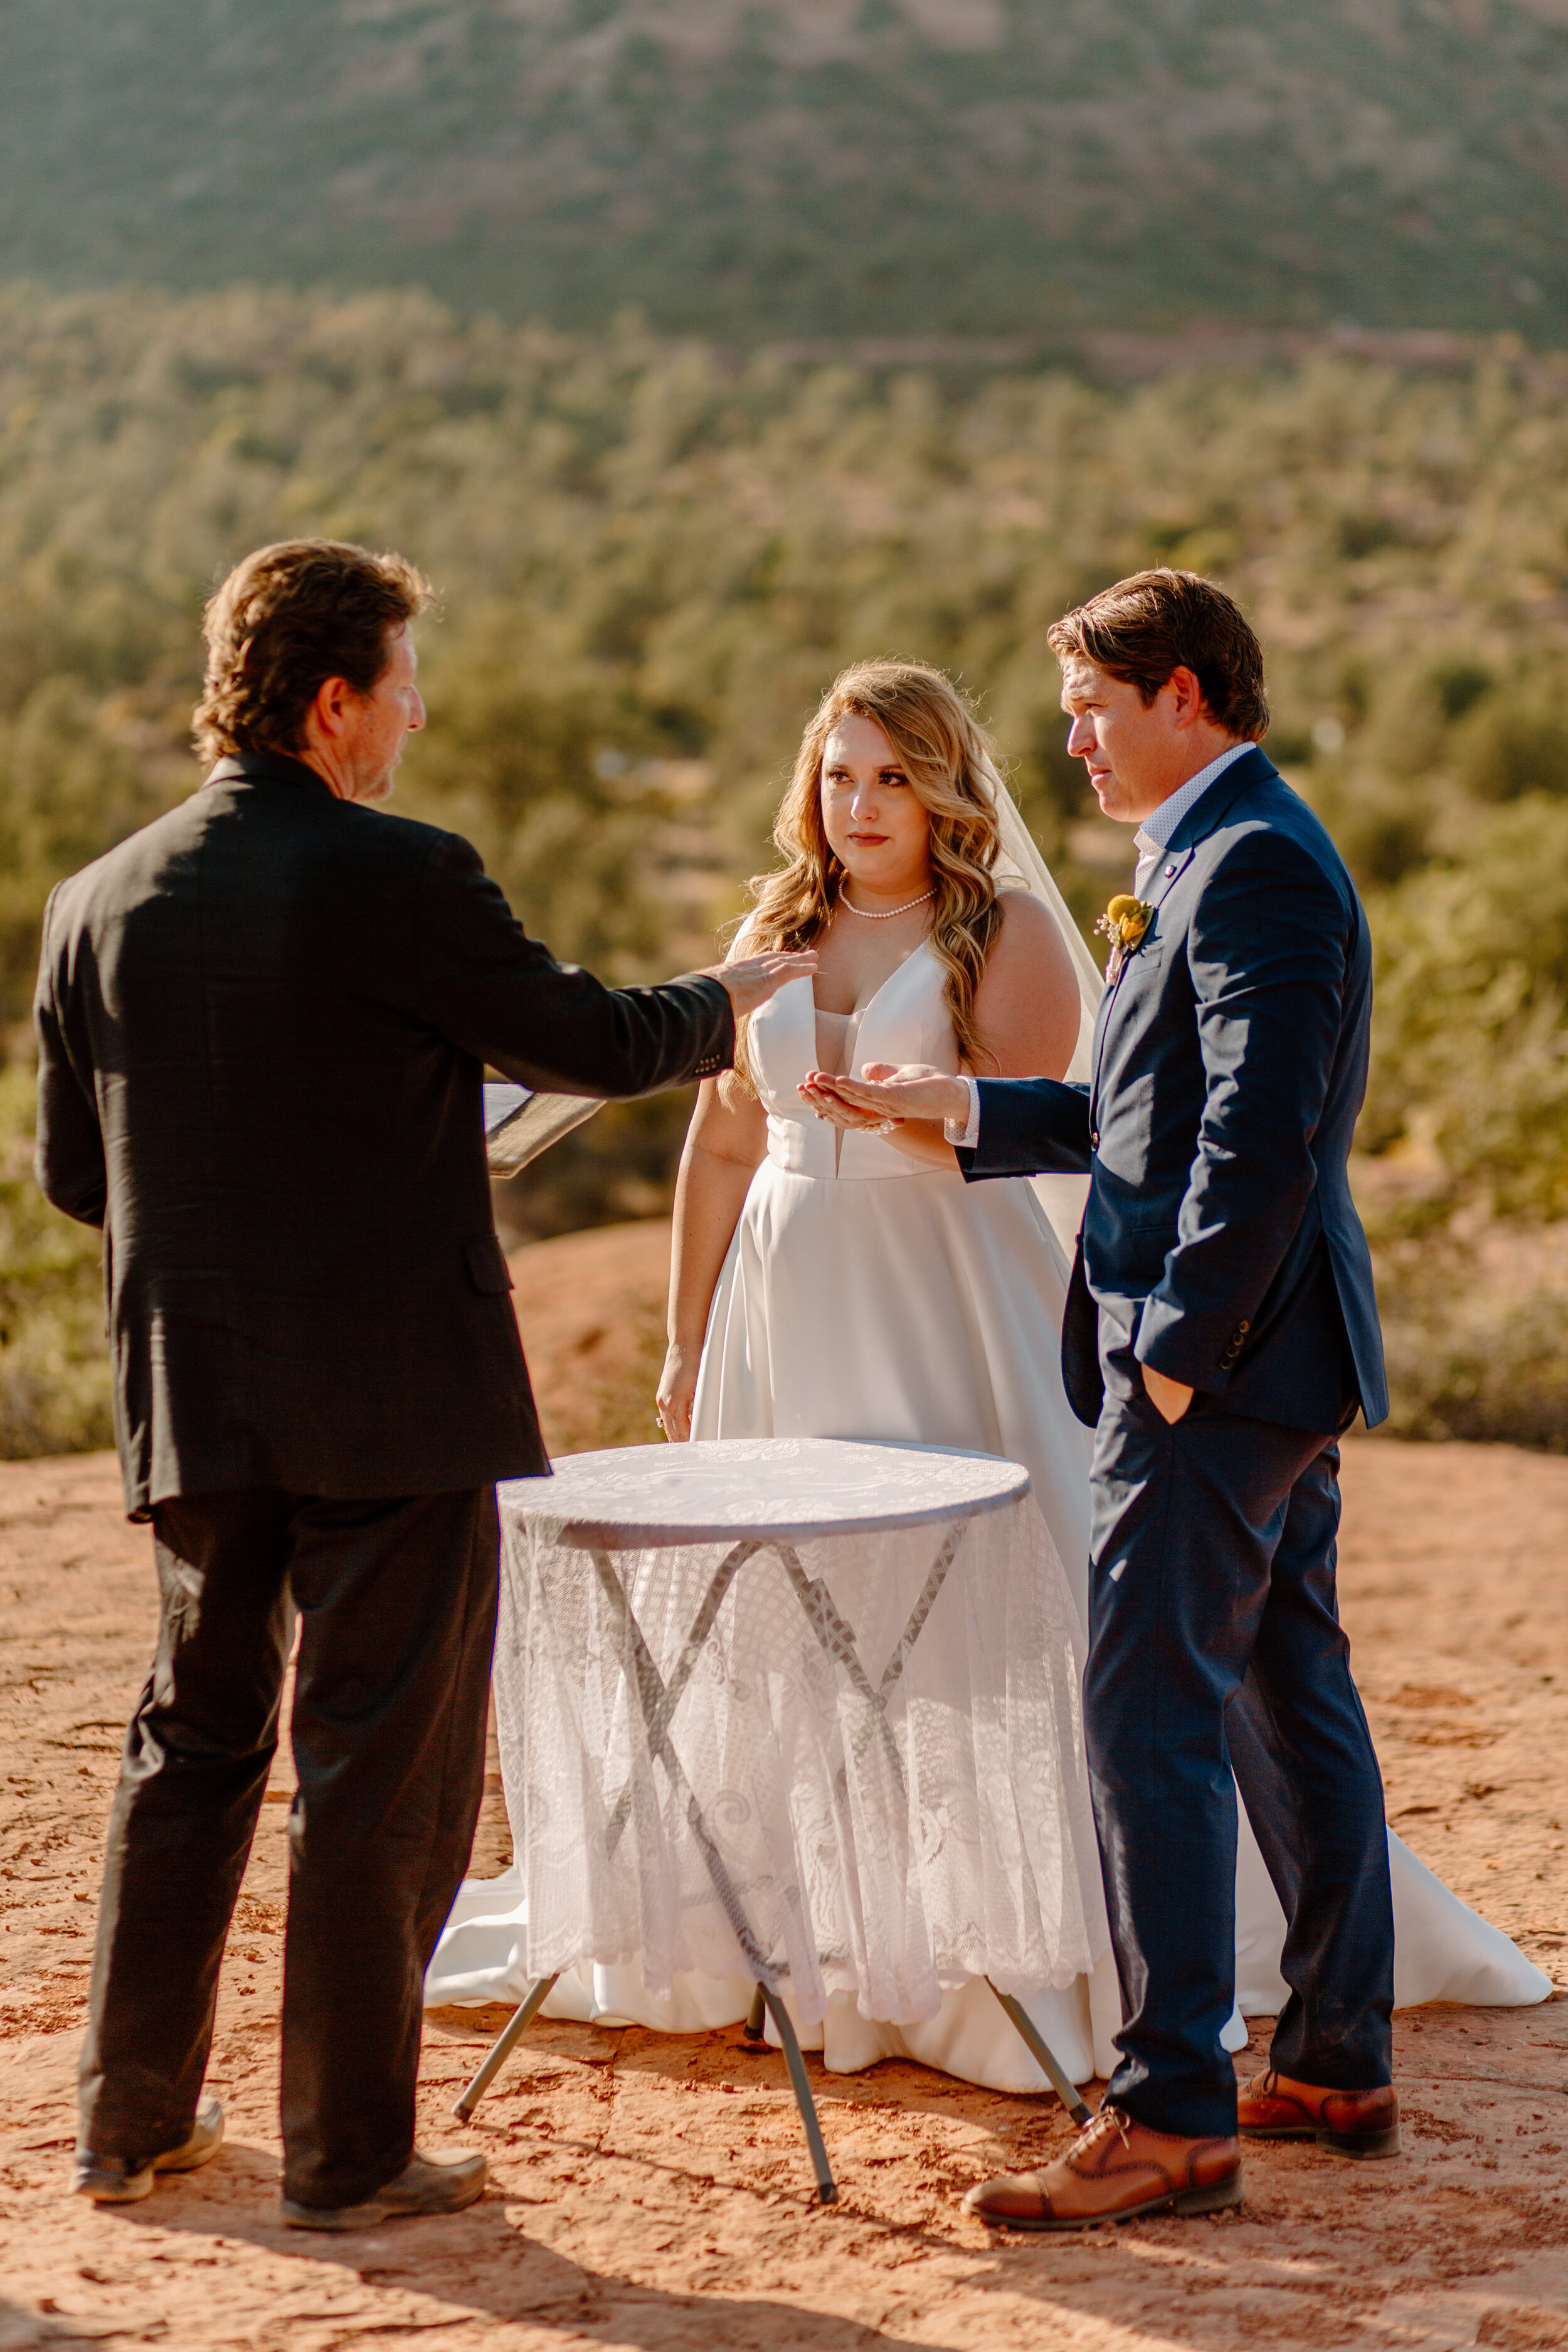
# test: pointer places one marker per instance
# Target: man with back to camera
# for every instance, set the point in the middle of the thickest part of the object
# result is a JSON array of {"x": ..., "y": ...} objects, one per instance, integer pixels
[
  {"x": 263, "y": 1022},
  {"x": 1221, "y": 1331}
]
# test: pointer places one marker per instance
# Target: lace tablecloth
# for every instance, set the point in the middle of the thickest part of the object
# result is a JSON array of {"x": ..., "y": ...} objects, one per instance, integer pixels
[{"x": 850, "y": 1673}]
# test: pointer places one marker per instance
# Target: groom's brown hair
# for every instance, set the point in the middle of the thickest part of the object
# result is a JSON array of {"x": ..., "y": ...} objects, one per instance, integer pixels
[{"x": 1156, "y": 622}]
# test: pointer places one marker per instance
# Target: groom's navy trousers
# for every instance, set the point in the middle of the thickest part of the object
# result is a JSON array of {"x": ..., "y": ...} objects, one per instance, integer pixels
[
  {"x": 1221, "y": 1248},
  {"x": 1216, "y": 1645}
]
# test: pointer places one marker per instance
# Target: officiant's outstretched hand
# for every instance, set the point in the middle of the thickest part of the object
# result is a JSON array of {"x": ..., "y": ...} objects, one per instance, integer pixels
[{"x": 753, "y": 979}]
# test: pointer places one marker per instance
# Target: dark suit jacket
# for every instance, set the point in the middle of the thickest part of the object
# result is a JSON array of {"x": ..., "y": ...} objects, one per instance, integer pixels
[
  {"x": 1229, "y": 1065},
  {"x": 262, "y": 1025}
]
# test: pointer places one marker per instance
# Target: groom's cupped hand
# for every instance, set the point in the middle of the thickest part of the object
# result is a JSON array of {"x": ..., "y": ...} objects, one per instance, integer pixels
[{"x": 885, "y": 1091}]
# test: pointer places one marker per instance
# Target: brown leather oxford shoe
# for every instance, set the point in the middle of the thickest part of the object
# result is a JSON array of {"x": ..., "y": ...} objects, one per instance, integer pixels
[
  {"x": 1352, "y": 2123},
  {"x": 1115, "y": 2170}
]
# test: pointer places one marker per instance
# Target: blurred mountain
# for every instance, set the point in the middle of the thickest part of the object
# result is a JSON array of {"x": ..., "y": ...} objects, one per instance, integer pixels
[{"x": 808, "y": 168}]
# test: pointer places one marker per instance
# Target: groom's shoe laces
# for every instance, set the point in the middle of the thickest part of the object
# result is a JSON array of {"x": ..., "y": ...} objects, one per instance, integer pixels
[{"x": 1099, "y": 2126}]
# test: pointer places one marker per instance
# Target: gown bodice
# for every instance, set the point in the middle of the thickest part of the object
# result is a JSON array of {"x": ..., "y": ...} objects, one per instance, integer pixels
[{"x": 906, "y": 1020}]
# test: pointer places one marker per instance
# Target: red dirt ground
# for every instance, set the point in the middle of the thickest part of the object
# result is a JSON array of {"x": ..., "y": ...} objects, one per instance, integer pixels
[{"x": 652, "y": 2193}]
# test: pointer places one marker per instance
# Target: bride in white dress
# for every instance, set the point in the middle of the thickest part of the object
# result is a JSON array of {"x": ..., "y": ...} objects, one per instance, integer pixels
[{"x": 831, "y": 1280}]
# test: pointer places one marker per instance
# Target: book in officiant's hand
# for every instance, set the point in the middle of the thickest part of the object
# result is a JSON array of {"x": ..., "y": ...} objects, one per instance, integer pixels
[{"x": 521, "y": 1124}]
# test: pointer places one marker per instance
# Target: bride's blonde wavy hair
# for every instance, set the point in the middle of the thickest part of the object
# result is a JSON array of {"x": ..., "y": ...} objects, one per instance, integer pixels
[{"x": 948, "y": 759}]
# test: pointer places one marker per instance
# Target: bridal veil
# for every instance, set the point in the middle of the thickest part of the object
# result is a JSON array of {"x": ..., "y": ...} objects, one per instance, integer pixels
[{"x": 1020, "y": 866}]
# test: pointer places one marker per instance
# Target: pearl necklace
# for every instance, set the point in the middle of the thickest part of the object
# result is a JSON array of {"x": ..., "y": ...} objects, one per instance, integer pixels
[{"x": 867, "y": 916}]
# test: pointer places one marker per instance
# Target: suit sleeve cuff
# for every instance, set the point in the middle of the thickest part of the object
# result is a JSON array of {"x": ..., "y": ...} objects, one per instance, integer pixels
[
  {"x": 1186, "y": 1348},
  {"x": 965, "y": 1133}
]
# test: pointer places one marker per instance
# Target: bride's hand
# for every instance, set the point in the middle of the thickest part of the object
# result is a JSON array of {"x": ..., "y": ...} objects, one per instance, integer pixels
[
  {"x": 816, "y": 1091},
  {"x": 677, "y": 1388},
  {"x": 886, "y": 1091}
]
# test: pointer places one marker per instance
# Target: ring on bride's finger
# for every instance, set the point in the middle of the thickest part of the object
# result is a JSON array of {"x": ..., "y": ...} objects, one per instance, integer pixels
[{"x": 886, "y": 1127}]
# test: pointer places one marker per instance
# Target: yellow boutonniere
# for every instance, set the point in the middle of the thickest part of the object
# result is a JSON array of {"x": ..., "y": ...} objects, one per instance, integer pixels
[{"x": 1124, "y": 923}]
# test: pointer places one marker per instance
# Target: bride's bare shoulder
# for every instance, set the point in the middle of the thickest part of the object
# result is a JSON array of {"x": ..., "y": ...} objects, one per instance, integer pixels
[
  {"x": 1028, "y": 938},
  {"x": 1026, "y": 1006}
]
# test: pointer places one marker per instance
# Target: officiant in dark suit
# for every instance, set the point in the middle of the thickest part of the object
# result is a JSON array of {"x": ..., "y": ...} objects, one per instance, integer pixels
[
  {"x": 263, "y": 1023},
  {"x": 1221, "y": 1331}
]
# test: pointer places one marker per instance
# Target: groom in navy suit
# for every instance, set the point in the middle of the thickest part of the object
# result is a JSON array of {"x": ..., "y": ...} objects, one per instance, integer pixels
[{"x": 1221, "y": 1333}]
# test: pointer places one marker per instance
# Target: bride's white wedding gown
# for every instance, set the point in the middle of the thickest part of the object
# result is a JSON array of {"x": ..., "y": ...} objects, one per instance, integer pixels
[{"x": 866, "y": 1296}]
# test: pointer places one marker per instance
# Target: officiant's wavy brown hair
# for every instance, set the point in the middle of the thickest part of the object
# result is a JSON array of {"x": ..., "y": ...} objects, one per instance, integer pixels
[
  {"x": 948, "y": 759},
  {"x": 286, "y": 620}
]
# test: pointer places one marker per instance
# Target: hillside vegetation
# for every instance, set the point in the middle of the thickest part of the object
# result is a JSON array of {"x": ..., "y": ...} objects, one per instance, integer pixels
[
  {"x": 653, "y": 559},
  {"x": 837, "y": 168}
]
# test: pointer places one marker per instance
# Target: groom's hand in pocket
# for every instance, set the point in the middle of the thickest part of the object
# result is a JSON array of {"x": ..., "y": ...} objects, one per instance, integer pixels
[{"x": 1169, "y": 1397}]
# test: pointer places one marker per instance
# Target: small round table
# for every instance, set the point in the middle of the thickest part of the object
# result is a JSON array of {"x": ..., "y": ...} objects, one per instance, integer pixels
[{"x": 751, "y": 1693}]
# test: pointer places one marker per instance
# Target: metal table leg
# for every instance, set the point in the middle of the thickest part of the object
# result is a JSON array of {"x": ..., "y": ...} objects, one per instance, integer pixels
[
  {"x": 837, "y": 1640},
  {"x": 658, "y": 1701},
  {"x": 827, "y": 2187},
  {"x": 684, "y": 1667},
  {"x": 501, "y": 2048},
  {"x": 1044, "y": 2057},
  {"x": 654, "y": 1699}
]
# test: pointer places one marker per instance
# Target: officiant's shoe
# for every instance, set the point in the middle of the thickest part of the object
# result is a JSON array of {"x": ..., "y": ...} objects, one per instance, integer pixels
[
  {"x": 126, "y": 2179},
  {"x": 1115, "y": 2170},
  {"x": 1352, "y": 2123},
  {"x": 424, "y": 2186}
]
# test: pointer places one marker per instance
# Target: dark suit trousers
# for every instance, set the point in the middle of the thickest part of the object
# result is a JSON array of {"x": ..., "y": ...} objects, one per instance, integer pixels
[
  {"x": 1216, "y": 1644},
  {"x": 396, "y": 1606}
]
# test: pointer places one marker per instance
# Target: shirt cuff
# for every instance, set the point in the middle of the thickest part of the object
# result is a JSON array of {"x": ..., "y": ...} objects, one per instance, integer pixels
[{"x": 965, "y": 1133}]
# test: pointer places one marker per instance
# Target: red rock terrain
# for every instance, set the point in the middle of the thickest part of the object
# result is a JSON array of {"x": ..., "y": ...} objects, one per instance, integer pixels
[{"x": 654, "y": 2192}]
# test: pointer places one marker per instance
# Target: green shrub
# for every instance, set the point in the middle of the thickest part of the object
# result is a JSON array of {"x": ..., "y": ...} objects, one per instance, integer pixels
[
  {"x": 54, "y": 1362},
  {"x": 1510, "y": 747},
  {"x": 1470, "y": 1045},
  {"x": 654, "y": 557}
]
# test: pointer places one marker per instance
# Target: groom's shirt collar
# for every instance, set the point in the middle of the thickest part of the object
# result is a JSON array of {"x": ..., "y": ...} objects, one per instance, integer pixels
[{"x": 1158, "y": 830}]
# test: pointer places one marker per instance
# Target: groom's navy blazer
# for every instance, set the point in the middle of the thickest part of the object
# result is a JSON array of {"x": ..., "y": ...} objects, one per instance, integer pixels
[{"x": 1229, "y": 1062}]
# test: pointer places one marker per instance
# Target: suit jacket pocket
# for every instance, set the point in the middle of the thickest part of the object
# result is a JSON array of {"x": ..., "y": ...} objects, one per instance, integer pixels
[{"x": 487, "y": 1268}]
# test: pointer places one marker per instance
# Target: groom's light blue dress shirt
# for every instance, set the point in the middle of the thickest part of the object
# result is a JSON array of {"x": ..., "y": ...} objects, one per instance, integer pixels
[
  {"x": 1157, "y": 831},
  {"x": 1152, "y": 835}
]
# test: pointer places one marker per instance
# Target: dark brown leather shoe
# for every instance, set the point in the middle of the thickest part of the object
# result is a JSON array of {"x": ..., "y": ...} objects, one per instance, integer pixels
[
  {"x": 1352, "y": 2123},
  {"x": 1115, "y": 2170}
]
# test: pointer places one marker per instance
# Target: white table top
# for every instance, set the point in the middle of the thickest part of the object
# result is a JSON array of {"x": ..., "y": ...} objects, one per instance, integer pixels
[{"x": 648, "y": 1496}]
